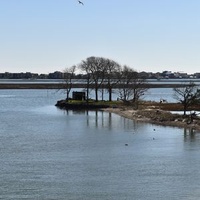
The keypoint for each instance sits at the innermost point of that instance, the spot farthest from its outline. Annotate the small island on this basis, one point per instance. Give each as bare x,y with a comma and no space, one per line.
147,111
130,88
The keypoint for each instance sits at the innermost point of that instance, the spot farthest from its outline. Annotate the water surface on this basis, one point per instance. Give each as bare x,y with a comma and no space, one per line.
47,153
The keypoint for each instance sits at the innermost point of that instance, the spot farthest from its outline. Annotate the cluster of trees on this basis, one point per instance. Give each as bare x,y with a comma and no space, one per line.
103,74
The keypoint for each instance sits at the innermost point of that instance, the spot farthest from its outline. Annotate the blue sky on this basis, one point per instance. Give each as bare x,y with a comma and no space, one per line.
43,36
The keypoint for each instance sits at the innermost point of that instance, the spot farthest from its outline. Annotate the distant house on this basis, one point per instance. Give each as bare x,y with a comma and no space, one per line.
197,75
183,75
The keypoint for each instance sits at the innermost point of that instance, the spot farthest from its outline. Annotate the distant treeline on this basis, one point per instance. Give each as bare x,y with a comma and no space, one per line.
62,75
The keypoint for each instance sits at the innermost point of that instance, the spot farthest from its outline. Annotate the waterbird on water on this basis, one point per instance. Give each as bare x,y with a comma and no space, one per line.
80,2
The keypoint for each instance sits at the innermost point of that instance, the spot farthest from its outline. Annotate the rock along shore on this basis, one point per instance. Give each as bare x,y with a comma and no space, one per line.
158,117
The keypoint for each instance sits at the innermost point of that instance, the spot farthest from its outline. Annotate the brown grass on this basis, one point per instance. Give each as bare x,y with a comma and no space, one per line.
167,106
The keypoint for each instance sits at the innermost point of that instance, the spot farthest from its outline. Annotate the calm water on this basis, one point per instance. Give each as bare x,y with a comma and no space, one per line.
47,153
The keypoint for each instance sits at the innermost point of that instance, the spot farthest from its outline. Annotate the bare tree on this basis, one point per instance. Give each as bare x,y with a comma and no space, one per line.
132,87
95,69
126,90
139,87
85,67
111,74
97,73
68,76
187,95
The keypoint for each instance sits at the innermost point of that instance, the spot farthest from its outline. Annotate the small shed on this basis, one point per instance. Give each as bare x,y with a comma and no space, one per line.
78,96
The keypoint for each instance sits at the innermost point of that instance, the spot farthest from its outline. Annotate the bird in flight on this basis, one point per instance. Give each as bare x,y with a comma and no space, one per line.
80,2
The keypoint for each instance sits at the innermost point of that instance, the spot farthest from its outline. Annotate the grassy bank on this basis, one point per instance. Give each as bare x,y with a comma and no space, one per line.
90,105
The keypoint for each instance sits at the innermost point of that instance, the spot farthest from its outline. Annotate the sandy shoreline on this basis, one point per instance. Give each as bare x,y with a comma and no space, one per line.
158,117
